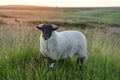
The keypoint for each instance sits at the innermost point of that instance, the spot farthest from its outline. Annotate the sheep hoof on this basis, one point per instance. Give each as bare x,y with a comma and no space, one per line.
51,66
80,67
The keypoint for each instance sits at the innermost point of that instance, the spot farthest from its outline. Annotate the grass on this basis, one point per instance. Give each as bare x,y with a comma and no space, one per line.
2,22
20,58
76,15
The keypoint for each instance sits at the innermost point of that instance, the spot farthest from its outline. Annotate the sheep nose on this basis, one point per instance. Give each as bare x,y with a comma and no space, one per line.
46,37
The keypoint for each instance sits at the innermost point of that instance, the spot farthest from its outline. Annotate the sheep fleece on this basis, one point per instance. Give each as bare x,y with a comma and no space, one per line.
64,44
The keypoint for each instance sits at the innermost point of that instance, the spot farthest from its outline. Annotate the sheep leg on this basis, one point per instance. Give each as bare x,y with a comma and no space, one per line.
80,62
51,63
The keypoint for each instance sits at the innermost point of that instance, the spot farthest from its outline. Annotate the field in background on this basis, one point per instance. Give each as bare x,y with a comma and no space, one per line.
109,17
20,58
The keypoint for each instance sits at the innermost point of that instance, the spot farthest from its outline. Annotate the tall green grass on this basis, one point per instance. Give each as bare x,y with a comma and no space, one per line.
20,58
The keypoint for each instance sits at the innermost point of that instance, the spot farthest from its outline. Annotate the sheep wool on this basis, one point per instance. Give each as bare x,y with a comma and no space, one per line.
64,44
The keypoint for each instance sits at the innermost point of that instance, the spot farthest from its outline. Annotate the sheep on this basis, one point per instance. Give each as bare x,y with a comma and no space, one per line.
62,45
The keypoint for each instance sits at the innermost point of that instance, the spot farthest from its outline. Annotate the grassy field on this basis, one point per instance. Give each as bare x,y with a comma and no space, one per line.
20,58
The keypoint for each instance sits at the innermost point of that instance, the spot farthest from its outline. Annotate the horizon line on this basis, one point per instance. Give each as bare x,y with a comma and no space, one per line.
58,6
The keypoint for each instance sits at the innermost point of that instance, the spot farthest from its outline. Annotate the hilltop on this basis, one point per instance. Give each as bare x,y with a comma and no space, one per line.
109,16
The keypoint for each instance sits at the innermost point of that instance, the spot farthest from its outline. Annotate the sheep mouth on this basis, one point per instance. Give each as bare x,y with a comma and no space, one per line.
46,38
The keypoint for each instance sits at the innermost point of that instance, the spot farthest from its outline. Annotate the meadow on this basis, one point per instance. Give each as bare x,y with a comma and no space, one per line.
20,58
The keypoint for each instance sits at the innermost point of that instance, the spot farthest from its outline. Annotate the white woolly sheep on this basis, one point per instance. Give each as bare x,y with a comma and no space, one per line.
61,45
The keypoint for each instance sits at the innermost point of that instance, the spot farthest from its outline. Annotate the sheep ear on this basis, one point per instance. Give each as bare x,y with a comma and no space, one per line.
55,27
39,26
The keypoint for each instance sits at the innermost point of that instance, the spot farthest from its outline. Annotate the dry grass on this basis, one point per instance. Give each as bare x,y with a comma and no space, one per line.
20,58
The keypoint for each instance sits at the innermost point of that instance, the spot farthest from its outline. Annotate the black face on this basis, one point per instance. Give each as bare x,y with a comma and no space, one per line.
47,30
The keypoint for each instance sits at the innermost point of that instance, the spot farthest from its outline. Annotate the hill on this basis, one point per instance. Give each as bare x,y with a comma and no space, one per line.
109,16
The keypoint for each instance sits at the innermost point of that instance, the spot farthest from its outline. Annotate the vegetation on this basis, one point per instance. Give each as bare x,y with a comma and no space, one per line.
20,58
2,22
